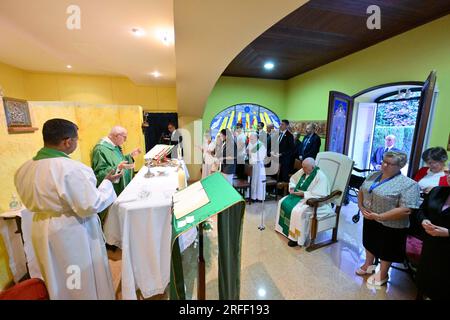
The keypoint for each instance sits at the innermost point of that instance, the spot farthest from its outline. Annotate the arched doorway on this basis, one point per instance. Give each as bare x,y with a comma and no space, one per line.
358,124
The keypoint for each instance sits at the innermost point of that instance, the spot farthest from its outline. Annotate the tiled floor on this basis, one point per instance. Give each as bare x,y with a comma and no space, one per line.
272,270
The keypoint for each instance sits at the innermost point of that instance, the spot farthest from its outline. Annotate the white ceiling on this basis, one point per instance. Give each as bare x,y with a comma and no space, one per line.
34,36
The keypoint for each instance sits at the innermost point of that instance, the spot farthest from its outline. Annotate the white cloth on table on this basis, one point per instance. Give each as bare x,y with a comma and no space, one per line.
141,227
181,161
66,232
13,244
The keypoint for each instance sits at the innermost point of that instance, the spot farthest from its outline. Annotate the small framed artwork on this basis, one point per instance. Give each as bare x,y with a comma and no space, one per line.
17,115
300,126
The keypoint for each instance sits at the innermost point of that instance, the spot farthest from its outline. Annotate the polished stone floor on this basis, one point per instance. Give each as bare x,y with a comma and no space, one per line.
272,270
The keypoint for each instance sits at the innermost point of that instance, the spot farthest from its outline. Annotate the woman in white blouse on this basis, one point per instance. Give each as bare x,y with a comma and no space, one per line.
433,174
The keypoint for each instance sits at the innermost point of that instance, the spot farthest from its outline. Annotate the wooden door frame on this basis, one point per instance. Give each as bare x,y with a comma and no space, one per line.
348,120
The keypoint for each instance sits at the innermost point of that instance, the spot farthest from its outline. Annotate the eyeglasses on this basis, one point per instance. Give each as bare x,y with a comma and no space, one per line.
389,163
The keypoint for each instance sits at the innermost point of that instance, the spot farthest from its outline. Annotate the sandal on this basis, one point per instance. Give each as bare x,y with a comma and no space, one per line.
371,280
370,270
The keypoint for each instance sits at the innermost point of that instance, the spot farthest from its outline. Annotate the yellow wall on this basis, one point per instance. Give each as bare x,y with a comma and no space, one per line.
101,102
6,277
94,122
37,86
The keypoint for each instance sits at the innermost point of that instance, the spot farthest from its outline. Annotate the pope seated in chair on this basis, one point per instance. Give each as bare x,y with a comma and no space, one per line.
294,215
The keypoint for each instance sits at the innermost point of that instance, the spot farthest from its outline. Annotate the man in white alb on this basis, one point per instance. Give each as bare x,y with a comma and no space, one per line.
66,232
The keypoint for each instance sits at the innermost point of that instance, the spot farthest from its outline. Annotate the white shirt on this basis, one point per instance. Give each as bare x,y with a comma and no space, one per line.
107,139
430,179
281,135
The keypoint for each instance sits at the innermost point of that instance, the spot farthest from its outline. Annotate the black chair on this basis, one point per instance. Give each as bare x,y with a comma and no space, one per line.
353,187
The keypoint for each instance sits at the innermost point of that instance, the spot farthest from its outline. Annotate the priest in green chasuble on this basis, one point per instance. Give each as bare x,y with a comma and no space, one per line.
107,155
294,215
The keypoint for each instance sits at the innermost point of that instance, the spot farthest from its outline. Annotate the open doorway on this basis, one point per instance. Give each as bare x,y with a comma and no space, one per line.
384,119
403,111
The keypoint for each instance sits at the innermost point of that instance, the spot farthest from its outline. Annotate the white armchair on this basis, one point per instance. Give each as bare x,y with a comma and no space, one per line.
338,168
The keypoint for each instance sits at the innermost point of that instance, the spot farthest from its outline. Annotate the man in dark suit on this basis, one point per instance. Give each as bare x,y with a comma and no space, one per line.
298,145
268,145
175,139
377,157
286,149
311,142
227,154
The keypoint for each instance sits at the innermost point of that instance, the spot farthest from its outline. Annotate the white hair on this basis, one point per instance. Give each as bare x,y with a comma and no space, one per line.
310,161
117,130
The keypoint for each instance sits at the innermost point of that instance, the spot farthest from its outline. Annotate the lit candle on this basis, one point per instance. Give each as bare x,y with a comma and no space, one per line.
181,178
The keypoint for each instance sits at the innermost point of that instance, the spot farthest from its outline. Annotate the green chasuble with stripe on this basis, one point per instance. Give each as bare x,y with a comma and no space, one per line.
291,201
106,157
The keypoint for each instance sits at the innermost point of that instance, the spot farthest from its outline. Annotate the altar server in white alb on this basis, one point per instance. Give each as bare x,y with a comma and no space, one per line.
294,215
66,232
257,152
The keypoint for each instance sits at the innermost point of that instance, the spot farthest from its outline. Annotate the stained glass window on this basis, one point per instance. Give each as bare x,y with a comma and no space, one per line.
246,113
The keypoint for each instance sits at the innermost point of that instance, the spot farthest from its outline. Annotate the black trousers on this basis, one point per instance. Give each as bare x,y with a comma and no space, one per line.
286,165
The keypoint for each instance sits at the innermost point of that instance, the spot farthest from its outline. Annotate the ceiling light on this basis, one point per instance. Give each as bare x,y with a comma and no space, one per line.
156,74
138,32
165,36
69,66
262,292
269,66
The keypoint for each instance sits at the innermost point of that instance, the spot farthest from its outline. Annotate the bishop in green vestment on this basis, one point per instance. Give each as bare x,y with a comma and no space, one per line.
107,155
294,215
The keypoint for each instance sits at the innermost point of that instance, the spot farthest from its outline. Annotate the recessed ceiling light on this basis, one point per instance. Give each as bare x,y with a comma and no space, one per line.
268,65
262,292
69,66
165,36
137,32
156,74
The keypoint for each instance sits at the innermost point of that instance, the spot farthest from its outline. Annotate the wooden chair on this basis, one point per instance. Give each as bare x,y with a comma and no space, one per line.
241,185
284,186
297,164
338,168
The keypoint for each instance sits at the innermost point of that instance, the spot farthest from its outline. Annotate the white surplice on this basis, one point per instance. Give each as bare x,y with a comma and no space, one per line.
302,213
256,159
210,162
66,231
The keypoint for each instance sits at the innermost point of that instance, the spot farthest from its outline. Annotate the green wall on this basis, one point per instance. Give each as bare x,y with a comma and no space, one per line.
409,56
406,57
232,90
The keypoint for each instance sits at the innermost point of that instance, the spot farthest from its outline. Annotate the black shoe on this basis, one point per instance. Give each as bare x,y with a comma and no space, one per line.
292,243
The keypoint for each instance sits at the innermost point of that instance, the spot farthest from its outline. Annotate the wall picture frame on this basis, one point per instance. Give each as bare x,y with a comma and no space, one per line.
17,114
300,126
